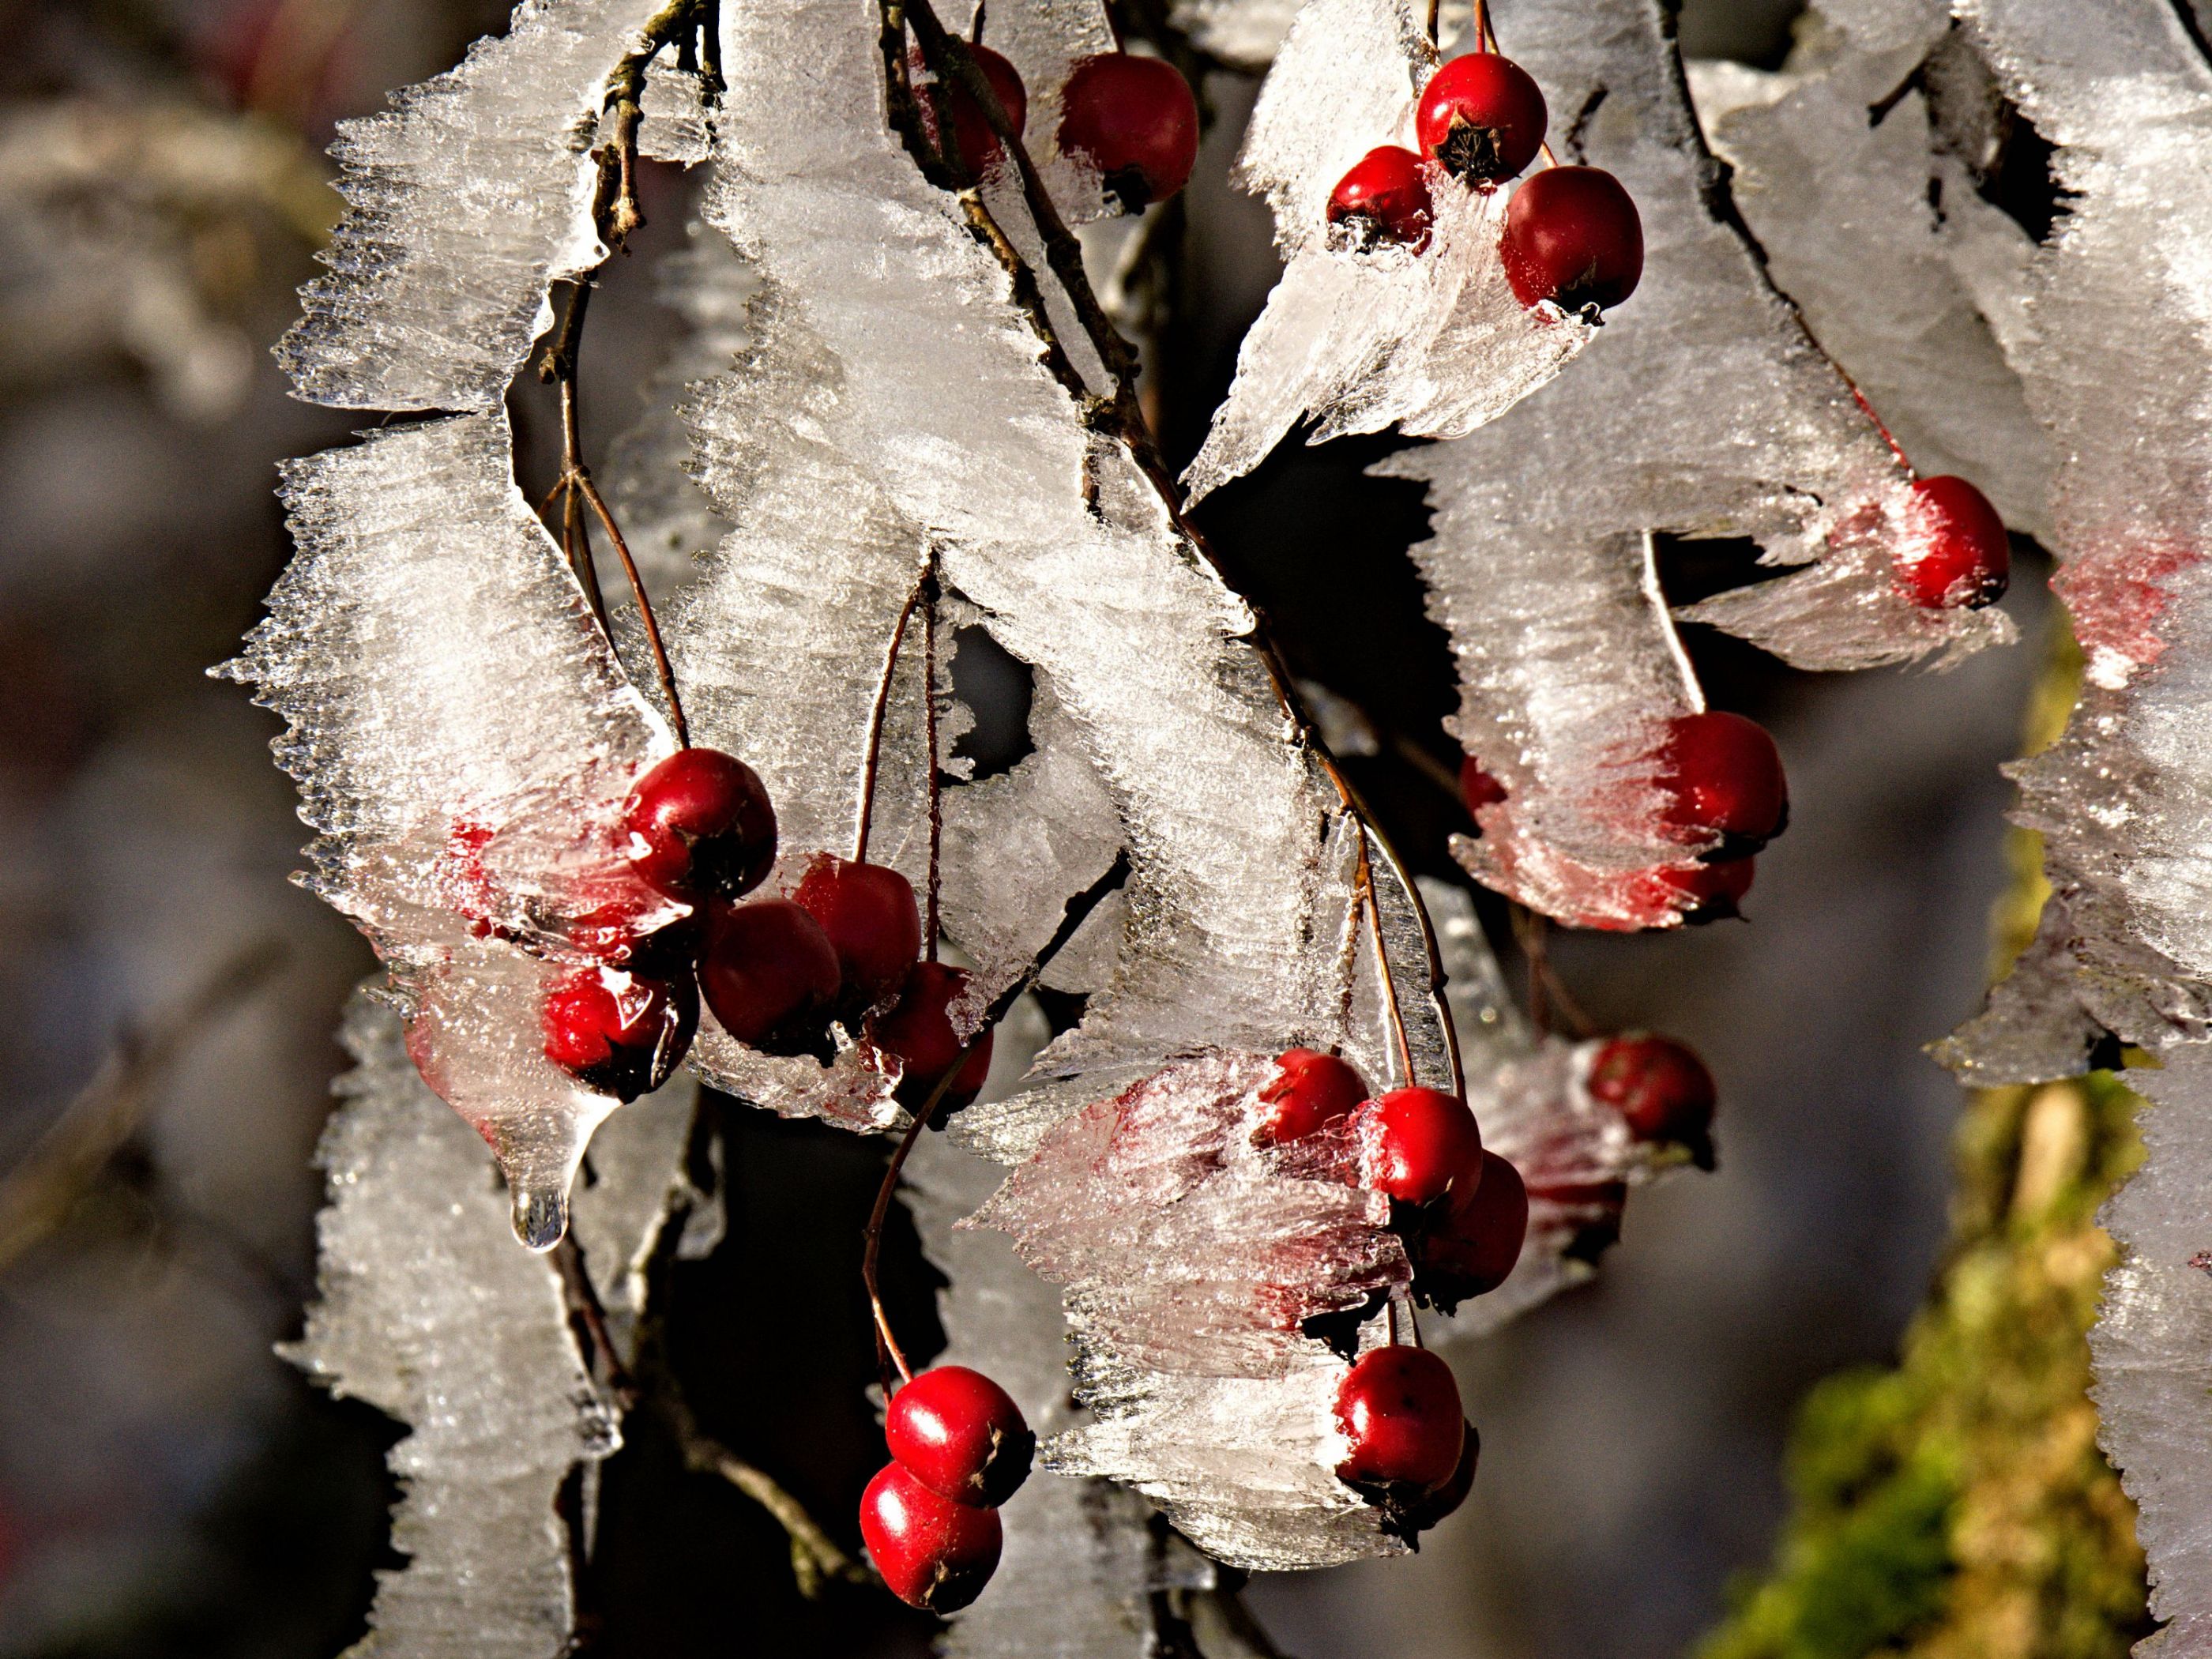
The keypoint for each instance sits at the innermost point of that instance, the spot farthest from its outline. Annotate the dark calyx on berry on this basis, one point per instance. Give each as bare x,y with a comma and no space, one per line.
1483,117
1417,1144
1709,892
770,976
700,825
1399,1409
620,1033
1133,120
1438,1505
868,910
961,1435
932,1552
917,1029
1308,1091
1660,1087
1383,200
1722,776
1954,554
1572,236
979,144
1475,1249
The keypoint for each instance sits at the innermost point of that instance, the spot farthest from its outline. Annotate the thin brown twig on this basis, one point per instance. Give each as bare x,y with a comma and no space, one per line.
587,1315
1363,887
872,751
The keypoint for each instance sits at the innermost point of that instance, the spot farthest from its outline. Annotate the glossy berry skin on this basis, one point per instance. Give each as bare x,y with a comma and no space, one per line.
979,145
1572,236
961,1435
1383,200
617,1032
932,1552
1955,554
1133,120
1709,892
1483,117
918,1028
1436,1506
1399,1408
1308,1091
770,976
1475,1250
1723,777
700,825
873,924
1417,1144
1661,1088
1476,787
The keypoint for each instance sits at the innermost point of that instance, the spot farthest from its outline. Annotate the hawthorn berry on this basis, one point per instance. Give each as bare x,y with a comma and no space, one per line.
1432,1507
873,923
1661,1087
1723,775
1383,199
618,1032
1133,120
979,146
770,976
961,1435
1474,1249
1399,1408
1476,787
1572,236
932,1552
1955,554
918,1028
1707,893
1308,1091
700,824
1417,1144
1483,117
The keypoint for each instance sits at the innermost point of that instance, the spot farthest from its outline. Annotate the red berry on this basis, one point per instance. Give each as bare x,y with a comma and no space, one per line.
1723,776
1483,117
1308,1092
1419,1144
1384,198
1432,1507
1133,120
698,824
1708,892
875,927
1661,1088
618,1032
932,1552
1572,236
1954,553
1399,1409
971,129
1480,1240
1476,787
961,1435
918,1028
769,975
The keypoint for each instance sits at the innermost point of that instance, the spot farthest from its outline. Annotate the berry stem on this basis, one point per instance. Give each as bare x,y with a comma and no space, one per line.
1547,990
932,888
871,755
1364,885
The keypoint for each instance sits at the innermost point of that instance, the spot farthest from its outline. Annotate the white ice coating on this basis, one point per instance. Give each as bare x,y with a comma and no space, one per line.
1434,343
465,201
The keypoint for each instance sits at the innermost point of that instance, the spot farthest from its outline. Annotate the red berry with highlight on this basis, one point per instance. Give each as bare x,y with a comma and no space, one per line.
1662,1089
1417,1144
1723,776
980,146
1483,117
700,824
1399,1409
1383,199
618,1032
961,1435
873,923
1133,120
918,1028
932,1552
1308,1091
1474,1249
770,976
1572,236
1954,554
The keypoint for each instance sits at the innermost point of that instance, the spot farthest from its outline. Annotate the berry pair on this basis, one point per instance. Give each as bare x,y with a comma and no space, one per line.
959,1449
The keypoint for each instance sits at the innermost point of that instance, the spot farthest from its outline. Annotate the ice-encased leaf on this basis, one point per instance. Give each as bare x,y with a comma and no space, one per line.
1434,343
465,200
430,1313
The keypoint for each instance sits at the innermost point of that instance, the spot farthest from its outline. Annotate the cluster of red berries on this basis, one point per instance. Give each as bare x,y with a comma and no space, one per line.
1573,235
1131,119
930,1518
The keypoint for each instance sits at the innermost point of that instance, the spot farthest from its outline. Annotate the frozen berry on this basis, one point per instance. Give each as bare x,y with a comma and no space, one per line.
1483,117
1416,1145
1661,1088
961,1435
1708,892
1572,236
1438,1505
1399,1408
1722,776
1308,1091
1384,198
700,824
932,1552
978,144
770,976
1474,1249
1954,553
618,1032
918,1028
1476,787
875,927
1133,120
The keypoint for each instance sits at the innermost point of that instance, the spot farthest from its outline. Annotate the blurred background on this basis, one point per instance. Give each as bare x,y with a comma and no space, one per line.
168,1485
